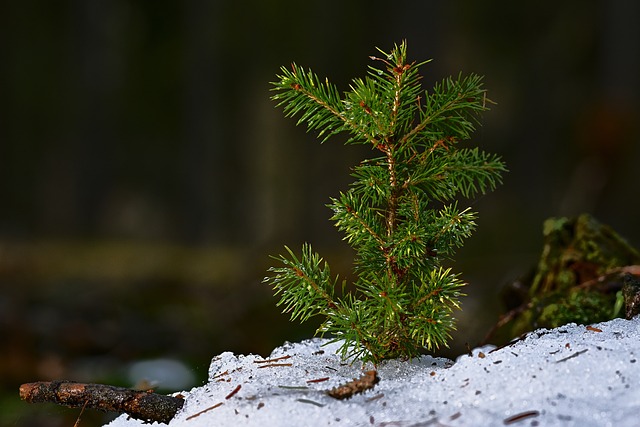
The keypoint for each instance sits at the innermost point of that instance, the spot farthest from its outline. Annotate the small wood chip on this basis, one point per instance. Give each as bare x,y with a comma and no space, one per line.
358,385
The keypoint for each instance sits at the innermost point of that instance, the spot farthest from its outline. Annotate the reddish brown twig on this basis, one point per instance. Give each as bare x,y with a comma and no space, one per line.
235,390
275,365
519,417
142,405
318,380
217,405
272,360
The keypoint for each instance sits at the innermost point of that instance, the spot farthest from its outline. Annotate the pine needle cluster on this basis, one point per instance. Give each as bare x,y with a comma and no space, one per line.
401,213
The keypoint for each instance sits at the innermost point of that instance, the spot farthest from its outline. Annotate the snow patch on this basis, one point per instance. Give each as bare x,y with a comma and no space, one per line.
569,376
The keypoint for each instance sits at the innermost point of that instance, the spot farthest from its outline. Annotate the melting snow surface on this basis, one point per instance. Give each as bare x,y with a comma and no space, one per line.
569,376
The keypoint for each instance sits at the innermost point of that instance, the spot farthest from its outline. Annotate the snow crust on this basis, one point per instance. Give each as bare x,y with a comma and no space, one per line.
568,376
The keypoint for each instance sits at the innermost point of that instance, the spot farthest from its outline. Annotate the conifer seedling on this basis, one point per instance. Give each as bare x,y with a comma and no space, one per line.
401,213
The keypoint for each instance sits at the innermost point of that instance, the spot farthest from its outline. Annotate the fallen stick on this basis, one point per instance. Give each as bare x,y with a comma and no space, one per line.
142,405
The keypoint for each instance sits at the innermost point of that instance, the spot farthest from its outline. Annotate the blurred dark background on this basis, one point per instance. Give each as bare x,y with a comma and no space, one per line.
145,175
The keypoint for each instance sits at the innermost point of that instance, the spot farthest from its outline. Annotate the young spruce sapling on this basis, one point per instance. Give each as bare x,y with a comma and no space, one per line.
400,214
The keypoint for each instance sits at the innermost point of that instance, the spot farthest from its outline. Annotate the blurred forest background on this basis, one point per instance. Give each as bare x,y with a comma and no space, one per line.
145,175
